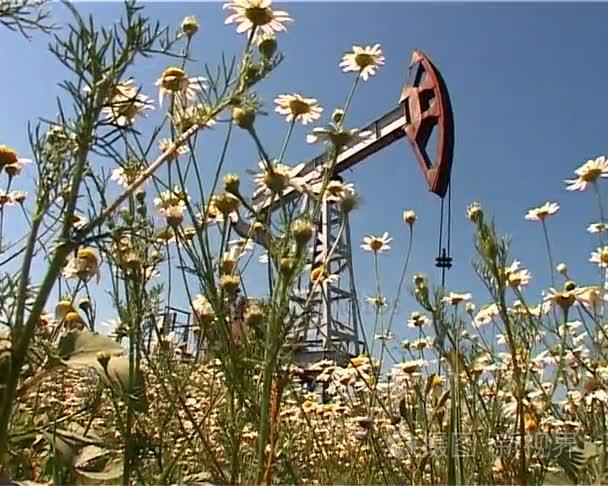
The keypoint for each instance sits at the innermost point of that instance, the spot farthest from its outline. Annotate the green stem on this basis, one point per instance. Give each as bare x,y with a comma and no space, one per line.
350,98
549,254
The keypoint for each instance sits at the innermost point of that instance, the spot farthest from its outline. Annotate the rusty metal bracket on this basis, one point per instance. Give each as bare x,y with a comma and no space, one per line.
427,107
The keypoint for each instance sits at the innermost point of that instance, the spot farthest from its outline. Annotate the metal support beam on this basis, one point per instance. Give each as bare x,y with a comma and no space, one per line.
328,326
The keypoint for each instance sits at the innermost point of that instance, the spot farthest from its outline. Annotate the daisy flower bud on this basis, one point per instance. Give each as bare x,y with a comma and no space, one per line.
302,232
190,26
174,215
228,264
226,203
337,116
73,321
232,183
268,45
287,265
230,284
474,212
254,316
349,201
420,280
409,217
243,117
562,269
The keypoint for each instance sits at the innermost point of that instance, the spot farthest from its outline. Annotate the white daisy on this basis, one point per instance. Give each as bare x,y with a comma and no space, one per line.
337,136
175,81
376,244
295,107
542,212
125,104
600,256
590,171
364,60
256,13
274,178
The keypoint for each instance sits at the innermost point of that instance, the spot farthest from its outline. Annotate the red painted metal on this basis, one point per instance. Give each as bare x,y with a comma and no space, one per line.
427,107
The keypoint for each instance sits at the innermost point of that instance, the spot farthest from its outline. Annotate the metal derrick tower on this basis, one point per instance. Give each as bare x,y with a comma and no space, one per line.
328,324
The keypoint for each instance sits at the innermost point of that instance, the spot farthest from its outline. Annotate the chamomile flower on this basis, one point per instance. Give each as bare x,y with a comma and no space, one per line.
171,198
335,190
128,173
83,265
211,215
11,162
202,309
454,299
417,320
6,198
517,277
175,81
542,212
274,178
597,228
125,104
295,107
241,246
600,256
165,143
337,136
249,14
589,172
376,244
364,60
485,315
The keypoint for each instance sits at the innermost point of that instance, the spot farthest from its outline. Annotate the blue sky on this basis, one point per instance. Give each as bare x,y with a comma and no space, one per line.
527,83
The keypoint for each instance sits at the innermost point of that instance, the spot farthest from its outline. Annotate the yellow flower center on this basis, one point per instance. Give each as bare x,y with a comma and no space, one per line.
530,424
259,15
228,265
226,203
564,299
318,274
604,257
62,308
73,318
276,181
335,189
299,107
189,232
358,361
436,382
515,280
363,60
591,174
375,244
7,155
13,169
173,79
88,255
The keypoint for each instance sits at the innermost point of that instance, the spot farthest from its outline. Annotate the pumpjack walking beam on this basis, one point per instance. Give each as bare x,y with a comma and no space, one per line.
424,110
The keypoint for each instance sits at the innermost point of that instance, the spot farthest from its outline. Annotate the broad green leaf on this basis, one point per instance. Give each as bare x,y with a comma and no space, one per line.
112,472
80,349
64,451
116,375
88,454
